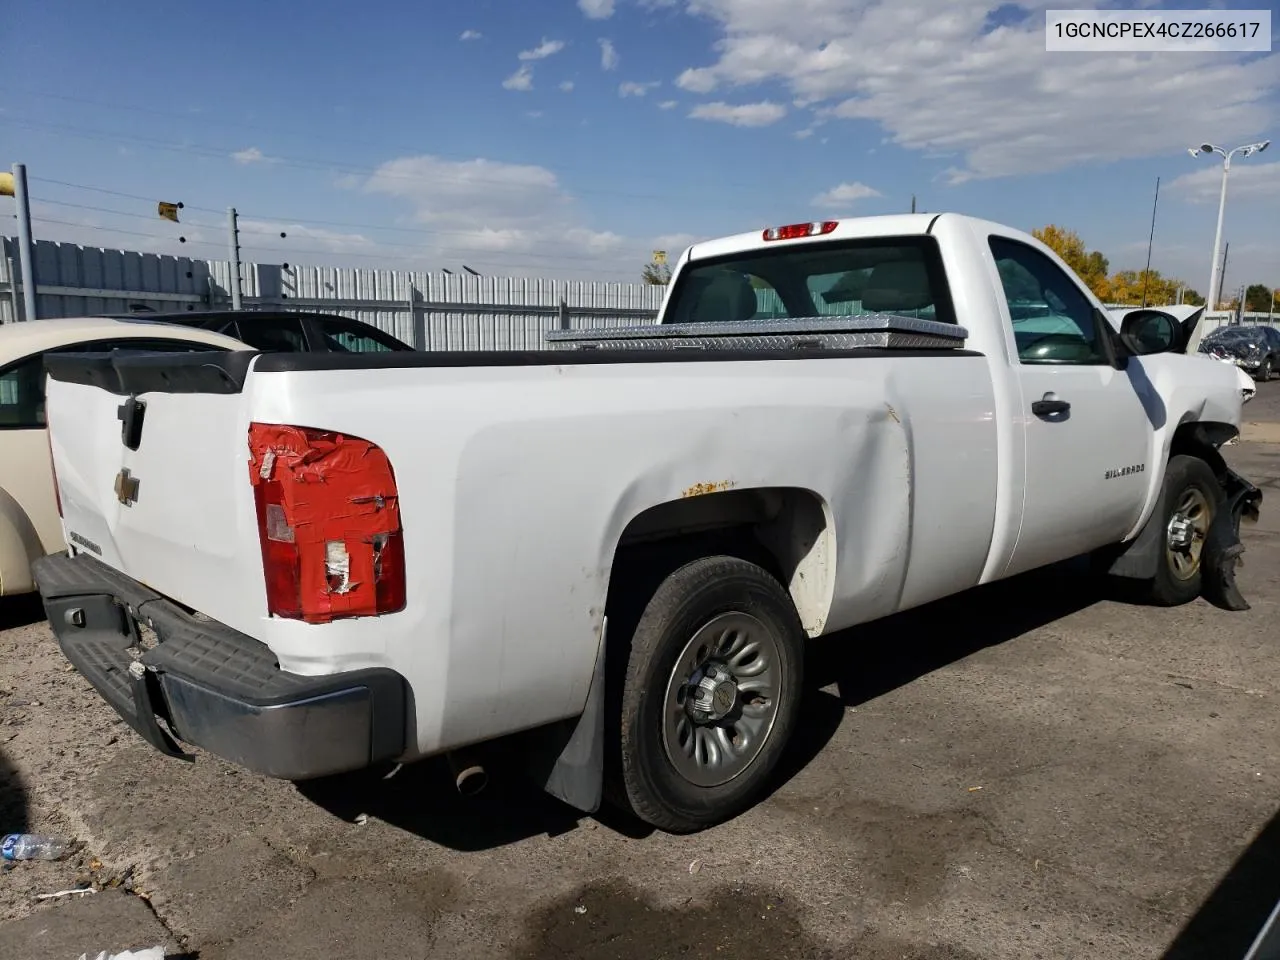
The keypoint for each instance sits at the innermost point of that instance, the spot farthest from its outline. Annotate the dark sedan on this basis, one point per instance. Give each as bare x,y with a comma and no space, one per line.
288,331
1254,348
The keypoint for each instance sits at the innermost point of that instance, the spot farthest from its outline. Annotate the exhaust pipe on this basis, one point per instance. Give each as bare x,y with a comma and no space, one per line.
469,775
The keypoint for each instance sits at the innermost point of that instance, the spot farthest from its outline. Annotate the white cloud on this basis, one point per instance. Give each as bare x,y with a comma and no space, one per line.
566,86
522,79
632,89
471,35
546,48
266,233
697,80
507,217
943,81
742,115
533,114
596,9
844,194
668,105
250,155
1248,180
608,55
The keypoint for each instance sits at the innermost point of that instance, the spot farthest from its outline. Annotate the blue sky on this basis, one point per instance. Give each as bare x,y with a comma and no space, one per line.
572,137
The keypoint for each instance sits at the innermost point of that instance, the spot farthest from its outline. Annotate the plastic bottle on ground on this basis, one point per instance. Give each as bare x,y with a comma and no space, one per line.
29,846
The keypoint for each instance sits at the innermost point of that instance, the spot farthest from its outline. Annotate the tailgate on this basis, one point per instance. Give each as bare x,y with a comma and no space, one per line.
151,457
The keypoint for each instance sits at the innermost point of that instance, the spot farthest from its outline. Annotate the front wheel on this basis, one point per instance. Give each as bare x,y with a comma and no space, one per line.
711,693
1190,500
1264,371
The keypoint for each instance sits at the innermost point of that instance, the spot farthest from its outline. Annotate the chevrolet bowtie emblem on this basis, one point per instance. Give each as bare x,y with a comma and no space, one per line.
126,487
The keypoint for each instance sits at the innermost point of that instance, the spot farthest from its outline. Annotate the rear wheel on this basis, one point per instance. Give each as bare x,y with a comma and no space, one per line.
1191,500
711,694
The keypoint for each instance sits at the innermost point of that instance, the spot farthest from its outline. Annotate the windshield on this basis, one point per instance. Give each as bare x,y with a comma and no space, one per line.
841,279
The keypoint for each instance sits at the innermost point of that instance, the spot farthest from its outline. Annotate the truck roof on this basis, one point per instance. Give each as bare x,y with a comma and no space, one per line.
886,225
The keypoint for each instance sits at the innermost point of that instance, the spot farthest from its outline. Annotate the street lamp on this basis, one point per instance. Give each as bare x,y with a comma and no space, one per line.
1247,150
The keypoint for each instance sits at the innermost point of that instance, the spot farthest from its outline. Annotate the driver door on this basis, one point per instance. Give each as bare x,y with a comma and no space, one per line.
1087,435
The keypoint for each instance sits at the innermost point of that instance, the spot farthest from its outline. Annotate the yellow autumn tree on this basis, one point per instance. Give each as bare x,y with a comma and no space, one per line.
1089,265
1123,286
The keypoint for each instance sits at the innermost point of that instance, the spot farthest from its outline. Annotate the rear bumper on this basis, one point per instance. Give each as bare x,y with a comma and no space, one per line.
213,687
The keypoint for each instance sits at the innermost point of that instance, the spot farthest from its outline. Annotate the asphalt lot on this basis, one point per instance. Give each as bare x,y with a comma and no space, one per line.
1031,770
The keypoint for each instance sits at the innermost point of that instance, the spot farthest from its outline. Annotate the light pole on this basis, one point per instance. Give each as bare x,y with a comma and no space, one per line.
1246,150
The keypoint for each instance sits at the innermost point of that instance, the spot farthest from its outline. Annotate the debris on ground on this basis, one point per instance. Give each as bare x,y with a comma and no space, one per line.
30,846
151,953
78,891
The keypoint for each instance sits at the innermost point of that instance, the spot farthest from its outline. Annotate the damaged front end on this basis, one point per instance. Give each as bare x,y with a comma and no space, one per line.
1223,549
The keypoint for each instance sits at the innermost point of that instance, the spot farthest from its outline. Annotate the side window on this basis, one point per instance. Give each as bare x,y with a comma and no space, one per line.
1053,321
271,336
341,337
22,395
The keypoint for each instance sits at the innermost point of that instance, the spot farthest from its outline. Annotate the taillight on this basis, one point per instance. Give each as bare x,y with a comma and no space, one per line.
793,231
328,522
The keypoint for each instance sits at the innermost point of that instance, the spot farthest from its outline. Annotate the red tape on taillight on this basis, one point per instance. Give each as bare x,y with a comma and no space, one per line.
328,522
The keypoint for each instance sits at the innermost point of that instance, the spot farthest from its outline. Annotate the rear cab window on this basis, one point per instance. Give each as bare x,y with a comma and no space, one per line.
903,276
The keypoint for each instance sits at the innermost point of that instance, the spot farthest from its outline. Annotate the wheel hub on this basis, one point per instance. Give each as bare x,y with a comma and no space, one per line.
713,696
1180,530
1186,533
722,699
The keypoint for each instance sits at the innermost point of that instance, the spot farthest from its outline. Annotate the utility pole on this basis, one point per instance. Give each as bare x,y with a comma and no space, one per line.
1146,275
1222,275
1245,150
233,234
26,252
913,203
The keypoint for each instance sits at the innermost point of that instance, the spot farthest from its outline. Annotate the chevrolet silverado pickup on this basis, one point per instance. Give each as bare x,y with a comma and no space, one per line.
613,550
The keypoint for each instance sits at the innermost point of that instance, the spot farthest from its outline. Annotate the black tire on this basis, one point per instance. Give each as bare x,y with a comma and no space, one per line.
689,598
1184,476
1264,371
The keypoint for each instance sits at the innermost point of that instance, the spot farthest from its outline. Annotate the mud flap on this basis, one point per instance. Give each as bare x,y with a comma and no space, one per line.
567,759
1222,547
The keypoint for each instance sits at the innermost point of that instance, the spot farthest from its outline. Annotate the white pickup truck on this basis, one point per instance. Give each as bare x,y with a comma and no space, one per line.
616,548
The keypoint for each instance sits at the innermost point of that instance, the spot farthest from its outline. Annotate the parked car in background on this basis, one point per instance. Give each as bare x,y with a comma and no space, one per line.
290,331
29,523
1254,348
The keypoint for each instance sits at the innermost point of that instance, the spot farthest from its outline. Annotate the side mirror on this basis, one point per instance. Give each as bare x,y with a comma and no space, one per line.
1145,332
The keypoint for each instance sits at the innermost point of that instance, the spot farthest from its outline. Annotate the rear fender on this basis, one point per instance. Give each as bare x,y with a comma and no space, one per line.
19,547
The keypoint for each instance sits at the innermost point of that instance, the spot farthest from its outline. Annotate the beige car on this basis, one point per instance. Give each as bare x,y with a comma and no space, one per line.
29,522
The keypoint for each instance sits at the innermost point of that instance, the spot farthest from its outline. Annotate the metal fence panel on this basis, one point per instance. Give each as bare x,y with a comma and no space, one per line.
435,311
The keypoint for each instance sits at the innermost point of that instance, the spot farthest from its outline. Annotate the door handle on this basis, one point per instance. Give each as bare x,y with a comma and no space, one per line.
1046,408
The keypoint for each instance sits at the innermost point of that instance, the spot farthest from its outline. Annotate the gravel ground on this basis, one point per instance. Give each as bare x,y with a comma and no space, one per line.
1031,770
